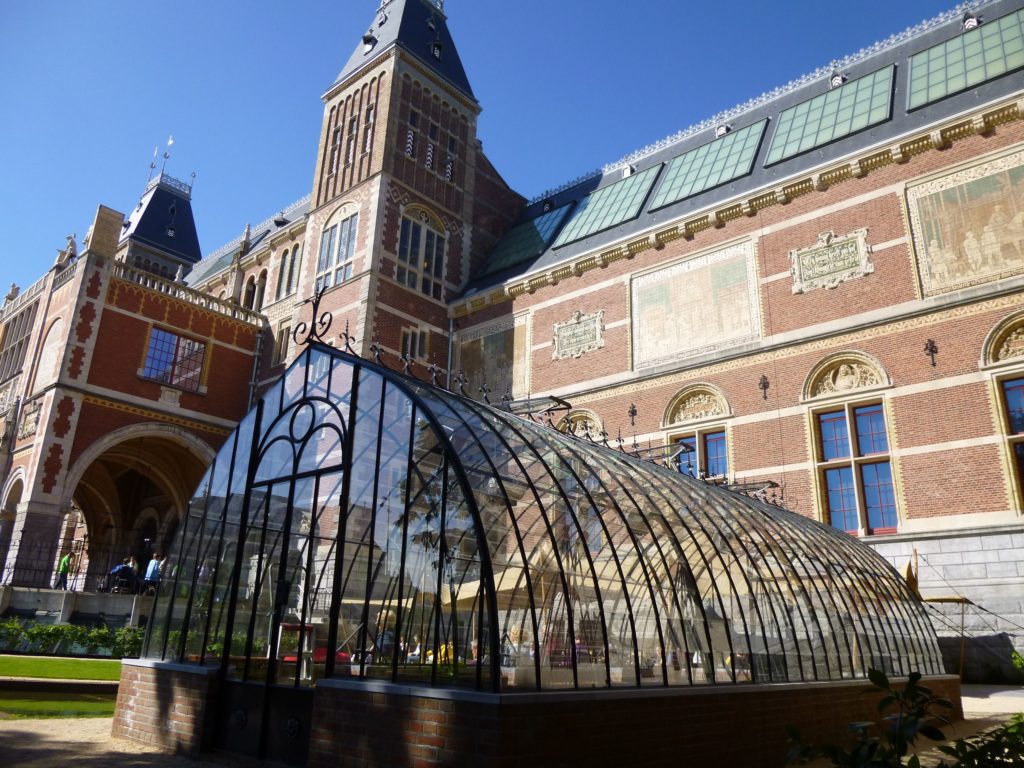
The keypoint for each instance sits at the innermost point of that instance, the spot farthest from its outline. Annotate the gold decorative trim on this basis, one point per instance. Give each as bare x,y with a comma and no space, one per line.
156,415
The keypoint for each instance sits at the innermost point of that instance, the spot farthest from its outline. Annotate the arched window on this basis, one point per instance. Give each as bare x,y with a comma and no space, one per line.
336,261
421,248
1004,358
293,270
368,128
851,452
350,147
282,274
250,293
697,432
261,290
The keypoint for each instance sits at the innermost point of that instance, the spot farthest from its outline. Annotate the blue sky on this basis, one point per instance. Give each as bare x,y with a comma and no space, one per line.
89,88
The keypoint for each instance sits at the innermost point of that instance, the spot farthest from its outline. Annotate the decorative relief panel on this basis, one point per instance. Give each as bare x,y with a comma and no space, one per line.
1012,346
585,424
696,403
496,354
580,334
968,226
845,373
831,260
29,420
703,304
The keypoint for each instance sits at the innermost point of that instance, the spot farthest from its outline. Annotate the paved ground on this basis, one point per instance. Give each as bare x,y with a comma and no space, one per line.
86,742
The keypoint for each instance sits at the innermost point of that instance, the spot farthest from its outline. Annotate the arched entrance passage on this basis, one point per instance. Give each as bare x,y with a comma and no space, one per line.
8,513
132,488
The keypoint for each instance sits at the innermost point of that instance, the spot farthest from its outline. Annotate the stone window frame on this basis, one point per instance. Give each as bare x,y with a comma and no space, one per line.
412,269
1003,361
331,268
414,341
174,381
710,421
828,389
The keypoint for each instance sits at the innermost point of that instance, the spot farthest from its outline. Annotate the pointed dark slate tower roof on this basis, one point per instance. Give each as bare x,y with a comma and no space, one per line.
418,27
163,220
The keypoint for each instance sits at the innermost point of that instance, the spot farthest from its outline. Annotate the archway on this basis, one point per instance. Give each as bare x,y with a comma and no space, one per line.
8,513
132,488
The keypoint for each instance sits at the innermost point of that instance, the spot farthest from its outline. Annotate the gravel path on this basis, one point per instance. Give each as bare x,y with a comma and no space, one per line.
86,743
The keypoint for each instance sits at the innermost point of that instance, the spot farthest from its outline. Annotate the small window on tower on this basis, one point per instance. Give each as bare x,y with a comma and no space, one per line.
435,50
414,343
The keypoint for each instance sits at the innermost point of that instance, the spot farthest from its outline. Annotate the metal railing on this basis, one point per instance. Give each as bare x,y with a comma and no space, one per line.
37,566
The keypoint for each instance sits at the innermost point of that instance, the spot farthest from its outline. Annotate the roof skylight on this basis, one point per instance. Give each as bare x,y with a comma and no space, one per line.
711,164
841,111
609,206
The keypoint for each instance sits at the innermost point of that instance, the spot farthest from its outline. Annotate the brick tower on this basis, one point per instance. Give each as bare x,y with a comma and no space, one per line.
404,203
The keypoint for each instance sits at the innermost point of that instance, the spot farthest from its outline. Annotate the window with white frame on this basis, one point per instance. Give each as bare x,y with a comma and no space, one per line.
283,341
174,360
854,469
421,257
335,263
350,148
368,128
703,452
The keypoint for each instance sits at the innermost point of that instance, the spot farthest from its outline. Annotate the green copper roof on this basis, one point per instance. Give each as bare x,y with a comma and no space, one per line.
988,51
844,110
710,164
609,206
526,241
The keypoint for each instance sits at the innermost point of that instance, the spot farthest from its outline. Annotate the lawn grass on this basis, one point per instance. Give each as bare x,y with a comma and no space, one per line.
25,705
65,669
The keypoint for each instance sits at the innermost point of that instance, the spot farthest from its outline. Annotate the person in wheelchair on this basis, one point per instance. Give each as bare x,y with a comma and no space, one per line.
122,578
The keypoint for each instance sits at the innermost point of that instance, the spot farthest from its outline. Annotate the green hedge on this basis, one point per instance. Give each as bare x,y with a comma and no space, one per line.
69,639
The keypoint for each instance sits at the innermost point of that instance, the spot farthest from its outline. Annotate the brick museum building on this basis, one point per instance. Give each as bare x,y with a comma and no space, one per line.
815,299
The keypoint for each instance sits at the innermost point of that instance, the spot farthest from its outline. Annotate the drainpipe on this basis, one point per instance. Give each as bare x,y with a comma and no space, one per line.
254,382
451,346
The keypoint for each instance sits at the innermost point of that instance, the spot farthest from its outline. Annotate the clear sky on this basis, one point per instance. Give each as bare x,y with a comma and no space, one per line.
87,89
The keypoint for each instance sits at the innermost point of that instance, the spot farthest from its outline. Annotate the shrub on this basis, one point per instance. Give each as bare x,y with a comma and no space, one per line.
33,637
1002,746
914,716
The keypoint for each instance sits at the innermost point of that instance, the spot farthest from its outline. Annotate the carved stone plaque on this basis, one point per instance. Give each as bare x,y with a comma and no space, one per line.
845,376
1013,345
582,333
830,261
29,421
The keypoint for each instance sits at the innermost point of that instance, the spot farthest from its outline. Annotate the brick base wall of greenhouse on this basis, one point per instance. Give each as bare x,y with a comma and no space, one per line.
377,724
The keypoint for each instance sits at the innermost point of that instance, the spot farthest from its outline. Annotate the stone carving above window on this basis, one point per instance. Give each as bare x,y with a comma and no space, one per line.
845,373
584,424
581,333
696,403
831,260
1005,342
29,420
1012,346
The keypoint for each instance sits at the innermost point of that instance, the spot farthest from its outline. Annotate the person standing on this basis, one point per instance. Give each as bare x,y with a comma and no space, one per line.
152,573
63,568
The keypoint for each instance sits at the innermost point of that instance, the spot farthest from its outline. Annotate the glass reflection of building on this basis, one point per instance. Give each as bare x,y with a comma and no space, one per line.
362,524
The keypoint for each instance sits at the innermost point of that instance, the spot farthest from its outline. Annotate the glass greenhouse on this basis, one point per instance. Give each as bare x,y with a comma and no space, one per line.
362,524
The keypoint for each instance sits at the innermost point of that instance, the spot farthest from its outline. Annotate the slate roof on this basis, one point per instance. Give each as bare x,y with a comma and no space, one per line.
220,259
416,26
894,52
165,208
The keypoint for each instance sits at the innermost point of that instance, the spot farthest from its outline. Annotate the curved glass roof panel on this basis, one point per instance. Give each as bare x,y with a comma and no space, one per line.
980,54
609,206
711,164
361,524
841,111
526,241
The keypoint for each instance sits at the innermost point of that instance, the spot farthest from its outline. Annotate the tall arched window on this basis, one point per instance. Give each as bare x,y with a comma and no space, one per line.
250,293
336,262
282,274
293,270
261,290
421,254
